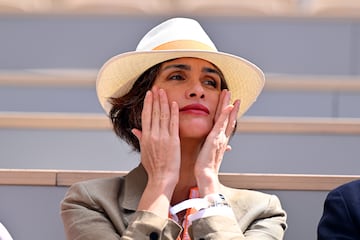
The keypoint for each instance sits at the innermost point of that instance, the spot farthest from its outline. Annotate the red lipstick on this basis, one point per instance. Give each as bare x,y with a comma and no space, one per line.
195,108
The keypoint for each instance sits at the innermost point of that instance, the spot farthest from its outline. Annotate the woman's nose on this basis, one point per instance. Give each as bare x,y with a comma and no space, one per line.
195,90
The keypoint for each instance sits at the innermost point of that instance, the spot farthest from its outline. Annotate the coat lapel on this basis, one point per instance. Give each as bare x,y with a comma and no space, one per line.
135,182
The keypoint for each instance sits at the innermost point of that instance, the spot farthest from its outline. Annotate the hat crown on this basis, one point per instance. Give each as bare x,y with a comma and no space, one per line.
181,32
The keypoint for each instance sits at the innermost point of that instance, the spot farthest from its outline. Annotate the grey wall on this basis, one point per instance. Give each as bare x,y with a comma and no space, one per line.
317,46
277,45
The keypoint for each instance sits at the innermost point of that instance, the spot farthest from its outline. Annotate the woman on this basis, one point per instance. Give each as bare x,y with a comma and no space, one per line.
170,100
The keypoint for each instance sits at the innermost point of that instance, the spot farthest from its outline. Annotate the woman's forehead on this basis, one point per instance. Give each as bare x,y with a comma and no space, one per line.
188,60
185,63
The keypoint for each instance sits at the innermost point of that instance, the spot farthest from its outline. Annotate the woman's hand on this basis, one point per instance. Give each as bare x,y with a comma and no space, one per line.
212,152
160,150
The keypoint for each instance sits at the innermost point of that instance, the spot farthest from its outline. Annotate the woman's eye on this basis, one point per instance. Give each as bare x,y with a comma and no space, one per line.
176,77
212,83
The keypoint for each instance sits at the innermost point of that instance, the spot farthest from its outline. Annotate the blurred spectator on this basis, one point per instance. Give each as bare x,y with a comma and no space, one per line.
4,234
341,215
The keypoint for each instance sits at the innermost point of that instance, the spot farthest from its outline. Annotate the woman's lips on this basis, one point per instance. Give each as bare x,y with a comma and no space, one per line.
195,109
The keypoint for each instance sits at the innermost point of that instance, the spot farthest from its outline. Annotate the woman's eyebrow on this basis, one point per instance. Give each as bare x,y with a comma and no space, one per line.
211,70
188,67
180,66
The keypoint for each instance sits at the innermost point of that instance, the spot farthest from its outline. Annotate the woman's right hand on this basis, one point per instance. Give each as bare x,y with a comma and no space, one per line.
160,146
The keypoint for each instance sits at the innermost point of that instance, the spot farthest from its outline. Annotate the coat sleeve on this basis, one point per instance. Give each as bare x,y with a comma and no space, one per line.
266,221
86,218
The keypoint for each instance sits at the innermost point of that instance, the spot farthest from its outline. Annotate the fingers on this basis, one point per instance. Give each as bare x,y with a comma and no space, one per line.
147,112
223,110
174,120
219,106
232,118
222,123
164,110
157,115
222,103
227,113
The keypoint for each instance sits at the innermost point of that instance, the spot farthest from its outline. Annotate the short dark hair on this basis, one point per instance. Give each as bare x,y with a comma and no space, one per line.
125,113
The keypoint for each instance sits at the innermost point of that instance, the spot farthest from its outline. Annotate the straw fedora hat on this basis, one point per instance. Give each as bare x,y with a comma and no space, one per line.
175,38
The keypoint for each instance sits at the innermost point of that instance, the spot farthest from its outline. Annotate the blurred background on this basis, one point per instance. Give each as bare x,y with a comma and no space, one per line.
306,122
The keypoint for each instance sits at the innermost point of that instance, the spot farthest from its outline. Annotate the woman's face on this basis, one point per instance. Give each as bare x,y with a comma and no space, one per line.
195,85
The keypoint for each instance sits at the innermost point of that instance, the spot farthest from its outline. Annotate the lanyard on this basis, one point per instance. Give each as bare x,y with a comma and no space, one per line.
194,193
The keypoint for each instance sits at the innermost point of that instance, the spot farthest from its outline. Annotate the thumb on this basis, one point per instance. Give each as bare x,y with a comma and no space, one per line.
137,133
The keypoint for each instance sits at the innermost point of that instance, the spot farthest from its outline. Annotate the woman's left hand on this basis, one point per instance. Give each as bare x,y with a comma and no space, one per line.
211,154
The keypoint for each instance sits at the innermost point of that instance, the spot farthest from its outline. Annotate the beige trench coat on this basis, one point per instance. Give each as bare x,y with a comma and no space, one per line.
105,209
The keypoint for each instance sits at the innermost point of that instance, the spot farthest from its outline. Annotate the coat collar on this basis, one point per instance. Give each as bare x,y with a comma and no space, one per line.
135,182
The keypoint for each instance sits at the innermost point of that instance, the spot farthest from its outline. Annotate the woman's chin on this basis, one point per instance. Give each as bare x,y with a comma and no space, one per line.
194,131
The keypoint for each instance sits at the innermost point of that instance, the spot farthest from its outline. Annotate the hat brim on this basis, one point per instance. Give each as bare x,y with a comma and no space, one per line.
244,79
